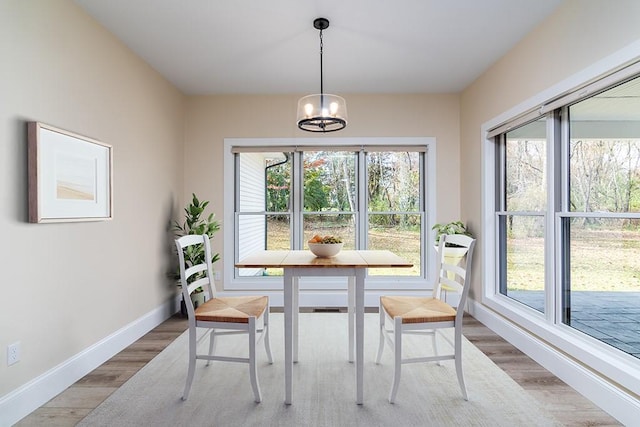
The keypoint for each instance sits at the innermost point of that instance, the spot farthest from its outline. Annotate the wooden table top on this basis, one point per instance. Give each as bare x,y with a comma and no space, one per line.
306,259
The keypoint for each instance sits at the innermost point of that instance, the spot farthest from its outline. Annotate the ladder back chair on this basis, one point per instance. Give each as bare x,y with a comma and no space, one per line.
222,315
428,315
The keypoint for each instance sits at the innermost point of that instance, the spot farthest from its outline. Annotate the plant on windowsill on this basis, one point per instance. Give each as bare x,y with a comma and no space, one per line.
453,253
454,227
195,224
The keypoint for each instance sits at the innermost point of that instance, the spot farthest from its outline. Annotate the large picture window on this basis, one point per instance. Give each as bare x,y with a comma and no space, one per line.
371,195
568,215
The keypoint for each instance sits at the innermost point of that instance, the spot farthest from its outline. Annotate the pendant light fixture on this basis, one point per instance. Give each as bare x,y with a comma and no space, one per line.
322,112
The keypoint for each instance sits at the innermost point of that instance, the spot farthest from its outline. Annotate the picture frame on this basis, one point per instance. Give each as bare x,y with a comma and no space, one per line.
70,176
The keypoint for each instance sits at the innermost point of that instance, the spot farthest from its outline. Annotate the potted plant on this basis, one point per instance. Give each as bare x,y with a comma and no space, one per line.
194,223
452,253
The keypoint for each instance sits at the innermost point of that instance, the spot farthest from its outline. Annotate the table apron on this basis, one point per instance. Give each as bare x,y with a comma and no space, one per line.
324,271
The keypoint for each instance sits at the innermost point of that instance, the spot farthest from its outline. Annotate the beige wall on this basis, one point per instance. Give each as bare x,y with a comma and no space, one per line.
66,286
578,34
210,119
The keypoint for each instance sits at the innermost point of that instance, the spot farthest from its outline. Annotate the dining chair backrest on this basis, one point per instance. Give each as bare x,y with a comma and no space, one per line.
194,277
455,257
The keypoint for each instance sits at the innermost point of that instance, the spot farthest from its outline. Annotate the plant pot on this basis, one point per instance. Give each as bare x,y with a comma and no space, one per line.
453,255
197,298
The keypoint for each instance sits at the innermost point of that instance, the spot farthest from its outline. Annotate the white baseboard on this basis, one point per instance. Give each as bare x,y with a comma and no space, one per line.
22,401
614,400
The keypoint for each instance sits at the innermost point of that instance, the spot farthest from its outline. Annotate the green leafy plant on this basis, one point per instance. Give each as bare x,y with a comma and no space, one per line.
454,227
195,224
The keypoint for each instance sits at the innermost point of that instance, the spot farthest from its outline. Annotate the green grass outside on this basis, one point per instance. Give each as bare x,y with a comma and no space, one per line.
601,260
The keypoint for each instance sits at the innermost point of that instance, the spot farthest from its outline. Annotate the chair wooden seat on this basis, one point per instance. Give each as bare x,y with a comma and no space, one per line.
232,309
418,309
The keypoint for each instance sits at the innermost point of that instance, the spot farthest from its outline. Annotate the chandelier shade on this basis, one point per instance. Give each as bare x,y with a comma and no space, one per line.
322,112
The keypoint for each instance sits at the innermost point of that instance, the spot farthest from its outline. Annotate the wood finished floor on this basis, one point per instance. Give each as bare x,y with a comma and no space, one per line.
73,404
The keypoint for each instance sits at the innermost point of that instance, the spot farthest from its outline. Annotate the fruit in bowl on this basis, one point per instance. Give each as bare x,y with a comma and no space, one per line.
325,247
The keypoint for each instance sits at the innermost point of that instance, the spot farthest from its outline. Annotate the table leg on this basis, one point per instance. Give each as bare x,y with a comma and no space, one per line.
288,335
359,335
351,306
296,311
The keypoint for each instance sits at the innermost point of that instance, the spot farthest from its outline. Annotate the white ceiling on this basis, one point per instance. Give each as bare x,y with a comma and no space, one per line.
271,47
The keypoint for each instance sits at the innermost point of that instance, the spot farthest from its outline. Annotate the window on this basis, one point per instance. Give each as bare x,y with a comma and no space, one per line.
601,224
395,206
329,195
374,194
521,214
567,212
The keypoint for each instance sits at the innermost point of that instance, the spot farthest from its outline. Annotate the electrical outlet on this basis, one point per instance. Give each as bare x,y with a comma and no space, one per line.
13,353
216,276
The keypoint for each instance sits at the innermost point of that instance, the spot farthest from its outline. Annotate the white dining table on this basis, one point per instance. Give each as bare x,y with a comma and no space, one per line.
348,263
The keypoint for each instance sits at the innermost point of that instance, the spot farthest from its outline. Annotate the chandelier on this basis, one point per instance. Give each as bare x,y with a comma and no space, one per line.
322,112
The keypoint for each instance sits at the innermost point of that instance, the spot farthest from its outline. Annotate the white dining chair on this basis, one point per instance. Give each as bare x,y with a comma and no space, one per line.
429,315
222,315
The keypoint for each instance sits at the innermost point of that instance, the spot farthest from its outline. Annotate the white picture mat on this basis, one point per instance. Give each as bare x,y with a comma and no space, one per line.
73,177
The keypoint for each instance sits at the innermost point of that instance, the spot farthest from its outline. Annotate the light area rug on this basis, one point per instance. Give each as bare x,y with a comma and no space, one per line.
323,386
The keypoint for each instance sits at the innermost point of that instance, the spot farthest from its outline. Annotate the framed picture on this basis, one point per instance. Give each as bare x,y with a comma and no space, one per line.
70,176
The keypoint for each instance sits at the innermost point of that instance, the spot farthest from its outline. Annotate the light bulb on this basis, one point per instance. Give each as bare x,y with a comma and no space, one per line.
334,108
325,112
308,109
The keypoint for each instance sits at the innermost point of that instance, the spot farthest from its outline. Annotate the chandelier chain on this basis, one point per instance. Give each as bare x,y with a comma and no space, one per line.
321,77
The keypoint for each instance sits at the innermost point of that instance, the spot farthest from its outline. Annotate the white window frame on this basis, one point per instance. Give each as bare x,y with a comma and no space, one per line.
597,370
375,285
